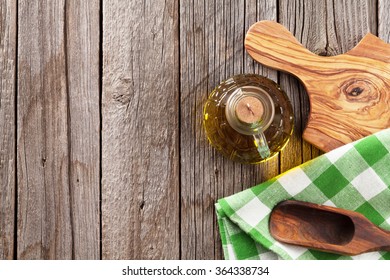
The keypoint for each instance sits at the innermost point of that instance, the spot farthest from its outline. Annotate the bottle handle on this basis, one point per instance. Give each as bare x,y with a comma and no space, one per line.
261,144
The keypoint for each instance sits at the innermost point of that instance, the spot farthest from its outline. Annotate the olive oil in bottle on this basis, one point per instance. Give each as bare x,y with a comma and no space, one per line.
248,118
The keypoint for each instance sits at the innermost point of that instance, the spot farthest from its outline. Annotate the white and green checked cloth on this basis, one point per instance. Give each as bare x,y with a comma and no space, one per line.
355,177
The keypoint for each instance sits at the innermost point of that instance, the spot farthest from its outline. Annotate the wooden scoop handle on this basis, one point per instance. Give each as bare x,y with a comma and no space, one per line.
348,93
326,228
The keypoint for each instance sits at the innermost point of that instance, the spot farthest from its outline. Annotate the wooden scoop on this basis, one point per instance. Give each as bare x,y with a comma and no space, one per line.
326,228
349,93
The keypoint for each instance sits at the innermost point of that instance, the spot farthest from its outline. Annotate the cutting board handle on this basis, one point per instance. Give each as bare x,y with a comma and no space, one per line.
271,44
348,93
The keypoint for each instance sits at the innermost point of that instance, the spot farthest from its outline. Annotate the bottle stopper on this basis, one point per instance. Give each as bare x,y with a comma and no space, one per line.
249,110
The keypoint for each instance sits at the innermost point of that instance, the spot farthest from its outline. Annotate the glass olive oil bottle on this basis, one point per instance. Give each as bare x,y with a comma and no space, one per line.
248,118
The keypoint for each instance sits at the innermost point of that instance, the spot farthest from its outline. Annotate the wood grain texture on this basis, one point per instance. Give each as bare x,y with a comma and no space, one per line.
58,130
140,160
82,51
44,216
326,228
384,20
211,50
346,104
160,177
255,11
325,28
346,22
7,127
307,20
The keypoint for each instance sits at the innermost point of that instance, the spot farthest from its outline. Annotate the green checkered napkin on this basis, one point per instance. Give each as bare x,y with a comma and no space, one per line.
355,177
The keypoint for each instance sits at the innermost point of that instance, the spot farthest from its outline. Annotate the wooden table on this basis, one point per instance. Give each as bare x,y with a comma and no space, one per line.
102,151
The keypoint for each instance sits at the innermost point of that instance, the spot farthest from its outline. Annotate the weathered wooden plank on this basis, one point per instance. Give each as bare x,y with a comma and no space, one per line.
82,51
309,28
44,216
211,50
327,28
384,20
255,11
7,127
140,160
349,22
58,130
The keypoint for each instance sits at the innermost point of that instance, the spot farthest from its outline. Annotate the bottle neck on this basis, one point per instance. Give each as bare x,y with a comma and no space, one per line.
249,110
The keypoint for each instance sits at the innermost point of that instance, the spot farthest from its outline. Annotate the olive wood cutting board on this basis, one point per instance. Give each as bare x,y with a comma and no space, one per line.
349,93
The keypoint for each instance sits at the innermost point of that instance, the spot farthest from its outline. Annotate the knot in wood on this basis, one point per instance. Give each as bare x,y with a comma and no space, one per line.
359,90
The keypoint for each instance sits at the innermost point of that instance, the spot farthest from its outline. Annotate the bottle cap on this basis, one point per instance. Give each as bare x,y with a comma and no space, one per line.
249,110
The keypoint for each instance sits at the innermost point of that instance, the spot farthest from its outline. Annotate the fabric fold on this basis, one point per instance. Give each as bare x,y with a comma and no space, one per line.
355,176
